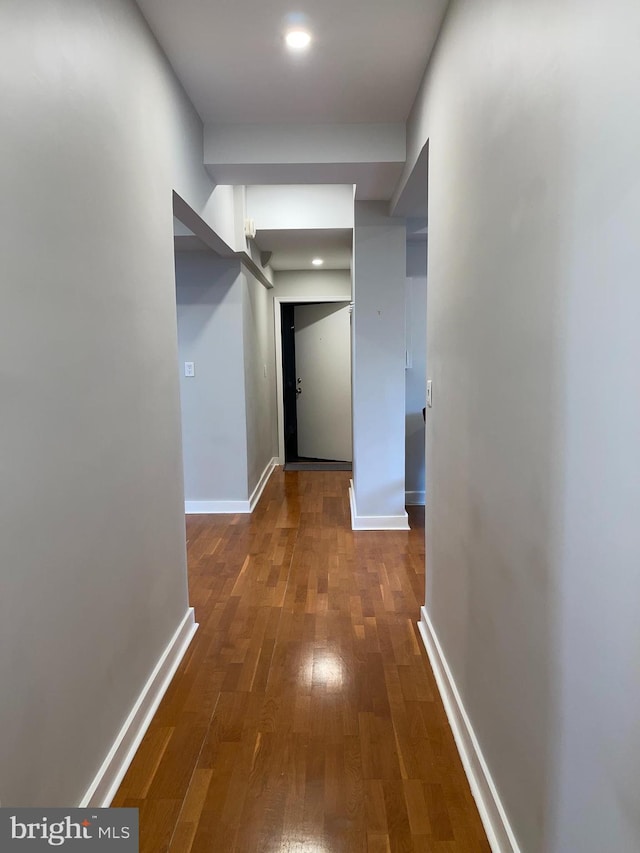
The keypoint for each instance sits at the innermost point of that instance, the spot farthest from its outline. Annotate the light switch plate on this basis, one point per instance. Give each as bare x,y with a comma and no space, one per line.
189,368
429,394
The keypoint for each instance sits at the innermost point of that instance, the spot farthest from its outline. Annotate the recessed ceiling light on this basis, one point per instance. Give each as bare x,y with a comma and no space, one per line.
317,262
298,39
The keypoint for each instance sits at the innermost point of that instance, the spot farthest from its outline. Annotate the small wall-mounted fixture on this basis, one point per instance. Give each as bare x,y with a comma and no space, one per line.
250,228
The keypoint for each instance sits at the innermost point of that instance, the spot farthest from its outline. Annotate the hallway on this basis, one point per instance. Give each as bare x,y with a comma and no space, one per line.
304,717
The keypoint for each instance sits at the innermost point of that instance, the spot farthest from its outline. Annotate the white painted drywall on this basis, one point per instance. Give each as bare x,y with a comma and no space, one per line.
378,359
96,135
259,384
323,365
300,206
209,294
225,327
304,143
230,144
533,541
369,155
319,284
416,372
220,212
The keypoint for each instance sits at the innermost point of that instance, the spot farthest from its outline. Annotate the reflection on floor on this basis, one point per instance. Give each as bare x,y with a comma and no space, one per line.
304,717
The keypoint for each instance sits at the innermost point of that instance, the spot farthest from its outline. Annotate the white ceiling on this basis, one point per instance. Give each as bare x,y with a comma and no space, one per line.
365,63
294,250
364,66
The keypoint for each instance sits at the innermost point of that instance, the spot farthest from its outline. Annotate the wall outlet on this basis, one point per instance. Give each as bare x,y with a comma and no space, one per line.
189,368
429,394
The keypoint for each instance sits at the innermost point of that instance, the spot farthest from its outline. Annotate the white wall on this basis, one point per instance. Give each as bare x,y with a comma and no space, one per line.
225,326
416,373
532,117
209,293
259,379
96,135
378,359
300,206
304,143
369,155
321,284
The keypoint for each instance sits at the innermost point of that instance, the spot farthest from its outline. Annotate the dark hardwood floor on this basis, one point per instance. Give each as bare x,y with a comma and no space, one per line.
304,717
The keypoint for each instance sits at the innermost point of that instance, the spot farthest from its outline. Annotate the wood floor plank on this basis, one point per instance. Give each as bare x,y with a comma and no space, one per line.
304,717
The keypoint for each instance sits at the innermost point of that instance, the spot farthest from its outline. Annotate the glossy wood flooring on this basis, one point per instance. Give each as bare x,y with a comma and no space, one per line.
304,717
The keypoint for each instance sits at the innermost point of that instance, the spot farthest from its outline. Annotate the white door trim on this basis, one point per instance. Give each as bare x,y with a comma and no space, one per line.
277,315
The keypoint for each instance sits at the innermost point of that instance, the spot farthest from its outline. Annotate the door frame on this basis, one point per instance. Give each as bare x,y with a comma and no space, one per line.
277,316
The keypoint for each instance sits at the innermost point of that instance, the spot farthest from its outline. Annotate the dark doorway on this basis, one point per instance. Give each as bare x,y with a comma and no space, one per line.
291,389
289,383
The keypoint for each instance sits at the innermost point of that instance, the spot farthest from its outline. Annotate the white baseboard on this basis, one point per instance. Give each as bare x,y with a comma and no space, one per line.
375,522
262,482
108,778
414,498
233,507
492,813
